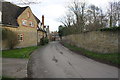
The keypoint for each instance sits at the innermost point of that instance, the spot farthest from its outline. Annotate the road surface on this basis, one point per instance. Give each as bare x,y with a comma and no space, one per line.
14,68
56,61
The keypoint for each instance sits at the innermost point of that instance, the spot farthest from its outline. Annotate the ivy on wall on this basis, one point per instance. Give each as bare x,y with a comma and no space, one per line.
10,37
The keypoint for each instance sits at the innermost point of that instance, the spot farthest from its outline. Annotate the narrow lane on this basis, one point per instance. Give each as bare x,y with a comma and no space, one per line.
56,61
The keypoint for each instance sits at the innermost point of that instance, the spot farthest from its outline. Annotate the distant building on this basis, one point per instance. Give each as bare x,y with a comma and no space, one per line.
54,36
48,32
41,30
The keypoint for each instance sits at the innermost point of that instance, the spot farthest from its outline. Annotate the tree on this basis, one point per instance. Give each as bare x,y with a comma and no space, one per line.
78,8
23,2
102,18
94,18
11,38
81,17
114,13
95,12
67,20
60,32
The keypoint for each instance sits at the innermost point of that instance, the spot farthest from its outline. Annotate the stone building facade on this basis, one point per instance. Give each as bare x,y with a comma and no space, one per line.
22,21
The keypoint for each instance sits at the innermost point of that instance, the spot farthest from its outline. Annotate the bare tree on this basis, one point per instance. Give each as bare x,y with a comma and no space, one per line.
78,8
95,11
26,2
95,18
89,16
114,13
67,20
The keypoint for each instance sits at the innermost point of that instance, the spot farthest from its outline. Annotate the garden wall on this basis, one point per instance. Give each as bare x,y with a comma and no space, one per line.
96,41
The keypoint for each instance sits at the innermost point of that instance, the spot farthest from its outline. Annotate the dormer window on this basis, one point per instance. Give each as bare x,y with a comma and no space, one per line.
24,22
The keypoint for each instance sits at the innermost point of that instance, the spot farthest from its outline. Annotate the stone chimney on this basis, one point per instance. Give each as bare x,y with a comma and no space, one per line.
43,20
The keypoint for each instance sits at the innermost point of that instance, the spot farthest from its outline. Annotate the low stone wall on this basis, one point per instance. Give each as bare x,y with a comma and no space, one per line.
96,41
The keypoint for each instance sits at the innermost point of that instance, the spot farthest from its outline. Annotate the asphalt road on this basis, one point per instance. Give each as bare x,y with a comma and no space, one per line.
14,68
56,61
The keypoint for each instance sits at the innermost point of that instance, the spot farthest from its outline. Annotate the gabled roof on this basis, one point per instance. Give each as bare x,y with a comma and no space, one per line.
10,13
36,19
40,29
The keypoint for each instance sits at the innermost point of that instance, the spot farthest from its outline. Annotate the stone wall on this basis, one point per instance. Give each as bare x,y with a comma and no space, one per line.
96,41
29,37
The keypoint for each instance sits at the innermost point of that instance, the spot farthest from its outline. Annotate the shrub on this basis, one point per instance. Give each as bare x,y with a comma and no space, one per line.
44,41
111,29
10,37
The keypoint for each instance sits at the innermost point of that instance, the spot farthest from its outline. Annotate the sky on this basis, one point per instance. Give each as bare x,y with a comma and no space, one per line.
54,9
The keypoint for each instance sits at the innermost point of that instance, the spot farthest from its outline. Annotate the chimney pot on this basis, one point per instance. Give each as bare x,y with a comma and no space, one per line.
43,20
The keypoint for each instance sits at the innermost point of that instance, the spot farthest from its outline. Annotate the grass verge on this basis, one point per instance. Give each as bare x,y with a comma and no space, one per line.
19,53
6,78
110,58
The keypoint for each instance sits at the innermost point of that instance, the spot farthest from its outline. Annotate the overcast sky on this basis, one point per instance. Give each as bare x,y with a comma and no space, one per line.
53,9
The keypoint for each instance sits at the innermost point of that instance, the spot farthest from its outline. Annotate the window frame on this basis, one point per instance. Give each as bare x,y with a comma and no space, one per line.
31,25
20,37
25,23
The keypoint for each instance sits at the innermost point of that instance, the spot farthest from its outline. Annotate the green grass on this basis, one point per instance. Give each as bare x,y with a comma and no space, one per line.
7,78
109,58
19,53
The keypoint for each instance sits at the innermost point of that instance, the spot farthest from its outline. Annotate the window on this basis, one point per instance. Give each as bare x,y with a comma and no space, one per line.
31,24
24,22
20,37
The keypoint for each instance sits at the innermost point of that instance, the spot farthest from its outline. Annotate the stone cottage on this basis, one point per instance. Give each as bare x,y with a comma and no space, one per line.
22,21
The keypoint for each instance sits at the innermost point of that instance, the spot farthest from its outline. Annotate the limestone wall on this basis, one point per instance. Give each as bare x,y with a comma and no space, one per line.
29,37
97,41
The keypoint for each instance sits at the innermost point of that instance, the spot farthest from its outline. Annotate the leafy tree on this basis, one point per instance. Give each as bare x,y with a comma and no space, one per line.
44,40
